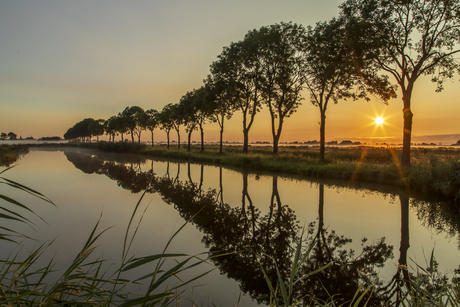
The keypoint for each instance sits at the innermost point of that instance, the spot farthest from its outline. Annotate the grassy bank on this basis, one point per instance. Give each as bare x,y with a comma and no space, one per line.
11,153
433,171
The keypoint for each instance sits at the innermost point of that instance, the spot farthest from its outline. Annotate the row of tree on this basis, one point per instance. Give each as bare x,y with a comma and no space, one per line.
348,57
132,120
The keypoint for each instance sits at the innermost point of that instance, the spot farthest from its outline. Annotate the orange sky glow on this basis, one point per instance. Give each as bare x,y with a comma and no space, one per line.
66,61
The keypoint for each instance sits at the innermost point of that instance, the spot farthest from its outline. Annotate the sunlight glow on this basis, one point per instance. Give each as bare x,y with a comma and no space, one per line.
379,120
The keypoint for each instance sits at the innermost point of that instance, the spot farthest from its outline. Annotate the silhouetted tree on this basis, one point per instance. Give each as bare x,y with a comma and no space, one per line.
203,108
166,119
152,121
122,128
221,93
132,120
330,73
283,70
190,114
110,126
80,130
177,119
246,59
12,136
96,128
406,39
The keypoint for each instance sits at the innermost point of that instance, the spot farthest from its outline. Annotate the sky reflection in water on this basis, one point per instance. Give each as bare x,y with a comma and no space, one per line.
85,184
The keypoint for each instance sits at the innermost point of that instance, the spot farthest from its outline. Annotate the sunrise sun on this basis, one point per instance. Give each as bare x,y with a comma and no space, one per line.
379,120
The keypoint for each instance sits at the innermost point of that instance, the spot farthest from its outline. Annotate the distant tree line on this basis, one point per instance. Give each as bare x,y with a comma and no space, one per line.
11,136
348,57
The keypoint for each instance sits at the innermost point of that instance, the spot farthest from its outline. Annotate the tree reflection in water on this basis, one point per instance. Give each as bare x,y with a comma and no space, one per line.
348,272
250,236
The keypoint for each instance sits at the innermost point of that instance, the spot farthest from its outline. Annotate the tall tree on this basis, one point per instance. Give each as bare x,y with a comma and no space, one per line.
165,119
190,114
406,39
12,135
120,123
132,117
141,119
282,67
152,121
80,130
203,108
245,67
110,127
177,119
222,93
96,128
330,73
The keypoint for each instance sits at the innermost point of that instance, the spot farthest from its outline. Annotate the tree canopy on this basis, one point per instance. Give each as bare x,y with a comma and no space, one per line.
283,70
80,130
406,39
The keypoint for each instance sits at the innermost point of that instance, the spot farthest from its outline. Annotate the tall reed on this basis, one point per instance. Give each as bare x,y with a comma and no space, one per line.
85,281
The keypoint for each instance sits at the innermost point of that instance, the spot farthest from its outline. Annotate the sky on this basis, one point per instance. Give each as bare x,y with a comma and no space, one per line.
63,61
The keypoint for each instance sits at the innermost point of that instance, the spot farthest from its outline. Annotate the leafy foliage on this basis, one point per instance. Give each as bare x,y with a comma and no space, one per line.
406,39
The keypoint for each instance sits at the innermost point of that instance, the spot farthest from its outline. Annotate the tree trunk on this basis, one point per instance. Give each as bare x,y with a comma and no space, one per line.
321,208
245,141
178,173
322,136
167,137
404,245
276,136
275,144
122,137
221,186
245,133
320,242
132,136
189,174
189,140
407,133
152,136
178,139
221,135
201,178
202,137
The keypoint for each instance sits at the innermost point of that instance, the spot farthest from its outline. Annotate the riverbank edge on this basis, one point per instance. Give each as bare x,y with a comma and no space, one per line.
432,176
11,153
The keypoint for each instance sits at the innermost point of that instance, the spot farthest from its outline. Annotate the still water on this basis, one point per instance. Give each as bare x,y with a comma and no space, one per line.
366,231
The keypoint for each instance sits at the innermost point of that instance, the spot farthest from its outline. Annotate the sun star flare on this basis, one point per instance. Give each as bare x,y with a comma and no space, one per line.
379,120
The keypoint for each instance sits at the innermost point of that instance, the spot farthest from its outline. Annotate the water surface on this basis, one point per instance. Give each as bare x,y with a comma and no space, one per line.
366,231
